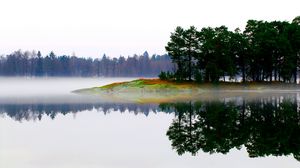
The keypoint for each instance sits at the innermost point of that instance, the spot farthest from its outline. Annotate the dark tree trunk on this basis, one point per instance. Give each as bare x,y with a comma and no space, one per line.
275,74
206,76
190,68
295,75
243,74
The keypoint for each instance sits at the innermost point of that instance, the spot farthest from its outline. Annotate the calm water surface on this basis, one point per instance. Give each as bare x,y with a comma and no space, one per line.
42,124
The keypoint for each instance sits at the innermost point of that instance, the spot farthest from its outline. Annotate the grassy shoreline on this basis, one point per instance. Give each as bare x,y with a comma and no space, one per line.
157,91
162,85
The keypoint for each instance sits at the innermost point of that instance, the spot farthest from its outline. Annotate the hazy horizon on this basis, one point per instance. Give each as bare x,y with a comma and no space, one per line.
91,28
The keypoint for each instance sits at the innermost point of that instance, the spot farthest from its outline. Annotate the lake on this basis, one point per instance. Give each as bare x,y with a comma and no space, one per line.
43,124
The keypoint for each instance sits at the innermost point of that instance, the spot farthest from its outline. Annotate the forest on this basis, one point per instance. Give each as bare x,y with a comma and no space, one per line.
264,51
33,63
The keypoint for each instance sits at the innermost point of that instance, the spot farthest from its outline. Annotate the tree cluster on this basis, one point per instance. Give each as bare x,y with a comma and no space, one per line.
264,51
34,64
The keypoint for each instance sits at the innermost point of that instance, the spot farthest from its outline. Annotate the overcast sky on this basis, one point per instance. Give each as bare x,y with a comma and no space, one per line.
91,28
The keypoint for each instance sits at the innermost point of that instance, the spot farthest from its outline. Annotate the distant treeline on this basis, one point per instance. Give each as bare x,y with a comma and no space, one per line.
264,51
35,64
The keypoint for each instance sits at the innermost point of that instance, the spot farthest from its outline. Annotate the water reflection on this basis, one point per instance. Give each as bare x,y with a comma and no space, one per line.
268,125
265,126
28,112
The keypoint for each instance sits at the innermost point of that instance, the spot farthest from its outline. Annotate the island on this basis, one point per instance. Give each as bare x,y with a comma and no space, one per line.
264,58
159,91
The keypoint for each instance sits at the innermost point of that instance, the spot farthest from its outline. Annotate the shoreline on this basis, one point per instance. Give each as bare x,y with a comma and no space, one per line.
167,86
157,91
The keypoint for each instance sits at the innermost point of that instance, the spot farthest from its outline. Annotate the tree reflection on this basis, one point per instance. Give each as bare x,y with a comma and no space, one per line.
265,126
29,112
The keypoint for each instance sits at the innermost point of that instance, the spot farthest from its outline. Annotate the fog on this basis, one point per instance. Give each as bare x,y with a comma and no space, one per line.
49,89
33,86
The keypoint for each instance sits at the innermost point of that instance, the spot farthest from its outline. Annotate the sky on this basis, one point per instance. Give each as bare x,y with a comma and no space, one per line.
90,28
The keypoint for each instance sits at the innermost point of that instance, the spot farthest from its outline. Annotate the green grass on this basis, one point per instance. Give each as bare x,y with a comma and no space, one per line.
155,90
159,85
148,84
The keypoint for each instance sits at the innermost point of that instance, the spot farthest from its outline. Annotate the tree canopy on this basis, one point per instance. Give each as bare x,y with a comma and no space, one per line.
264,51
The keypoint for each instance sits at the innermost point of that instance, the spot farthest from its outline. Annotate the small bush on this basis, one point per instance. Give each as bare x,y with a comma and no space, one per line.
198,77
166,75
162,75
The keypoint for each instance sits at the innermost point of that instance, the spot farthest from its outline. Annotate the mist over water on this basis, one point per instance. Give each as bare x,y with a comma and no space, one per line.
49,86
43,124
49,89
